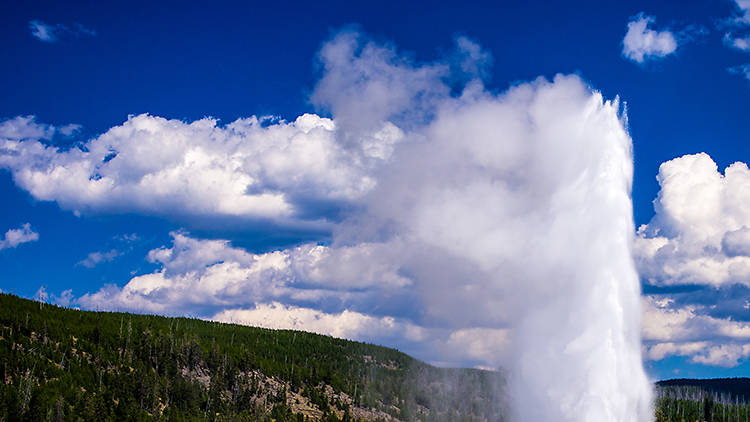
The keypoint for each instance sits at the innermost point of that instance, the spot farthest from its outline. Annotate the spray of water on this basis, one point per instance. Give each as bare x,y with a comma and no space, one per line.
510,212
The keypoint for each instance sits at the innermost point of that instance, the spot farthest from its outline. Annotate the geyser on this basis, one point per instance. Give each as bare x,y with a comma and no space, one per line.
509,212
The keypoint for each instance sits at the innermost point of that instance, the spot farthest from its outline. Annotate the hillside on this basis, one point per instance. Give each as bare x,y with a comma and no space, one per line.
64,365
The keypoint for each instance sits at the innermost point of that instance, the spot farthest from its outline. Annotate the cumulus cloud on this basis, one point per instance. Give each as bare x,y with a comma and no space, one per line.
193,272
700,237
334,291
485,347
738,25
663,321
700,233
294,175
726,355
690,331
365,84
52,33
743,16
26,127
252,169
642,43
212,274
15,237
346,324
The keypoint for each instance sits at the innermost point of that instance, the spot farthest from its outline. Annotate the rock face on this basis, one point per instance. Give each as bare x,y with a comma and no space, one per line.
65,364
270,389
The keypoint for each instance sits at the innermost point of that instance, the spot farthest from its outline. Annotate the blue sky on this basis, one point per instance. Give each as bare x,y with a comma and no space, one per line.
95,64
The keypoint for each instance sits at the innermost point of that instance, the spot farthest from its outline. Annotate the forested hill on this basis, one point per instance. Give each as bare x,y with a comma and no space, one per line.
62,364
718,399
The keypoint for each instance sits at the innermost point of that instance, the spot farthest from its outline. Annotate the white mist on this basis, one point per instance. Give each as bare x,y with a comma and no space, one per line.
508,213
513,212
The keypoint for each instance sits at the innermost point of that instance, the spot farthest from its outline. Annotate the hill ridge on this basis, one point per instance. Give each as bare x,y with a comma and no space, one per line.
64,364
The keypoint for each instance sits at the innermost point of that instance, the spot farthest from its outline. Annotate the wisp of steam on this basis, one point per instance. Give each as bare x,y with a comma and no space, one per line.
510,212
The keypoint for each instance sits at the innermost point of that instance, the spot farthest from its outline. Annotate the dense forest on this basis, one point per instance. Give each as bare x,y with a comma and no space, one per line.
712,400
61,364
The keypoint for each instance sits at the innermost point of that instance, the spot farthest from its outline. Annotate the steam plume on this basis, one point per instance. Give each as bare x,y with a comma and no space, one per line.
511,211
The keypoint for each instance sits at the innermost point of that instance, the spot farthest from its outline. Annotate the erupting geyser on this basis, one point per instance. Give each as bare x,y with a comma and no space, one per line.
576,330
511,213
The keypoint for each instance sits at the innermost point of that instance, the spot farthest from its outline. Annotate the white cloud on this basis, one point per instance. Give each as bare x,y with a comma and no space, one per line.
66,298
700,233
247,170
196,272
42,31
744,9
642,43
738,43
365,84
15,237
726,355
490,346
671,330
52,33
440,346
212,274
346,324
738,23
472,59
210,278
664,322
692,333
95,258
25,127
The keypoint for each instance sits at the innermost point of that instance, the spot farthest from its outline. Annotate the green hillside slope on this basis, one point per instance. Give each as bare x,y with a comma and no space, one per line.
64,365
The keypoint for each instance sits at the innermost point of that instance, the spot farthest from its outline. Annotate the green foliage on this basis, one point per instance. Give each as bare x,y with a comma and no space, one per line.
699,401
66,365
